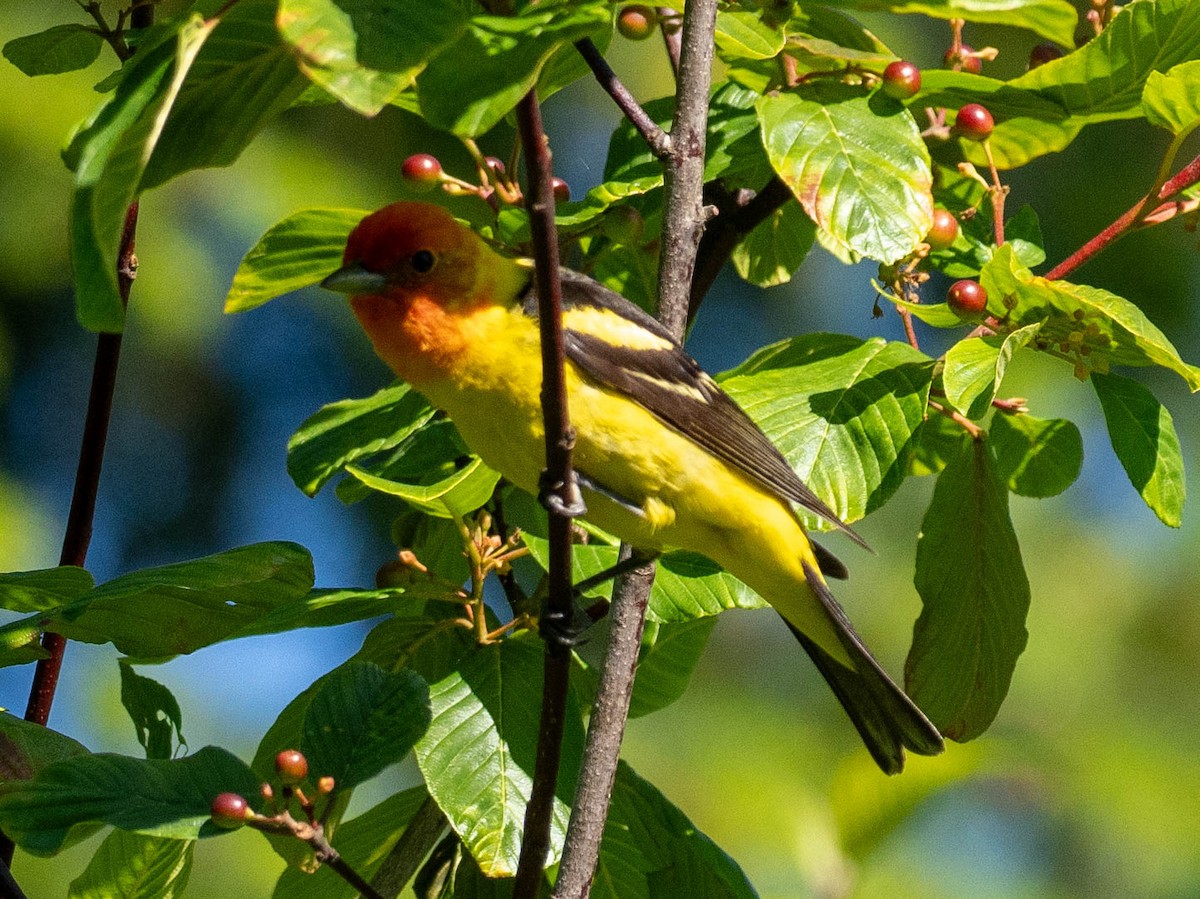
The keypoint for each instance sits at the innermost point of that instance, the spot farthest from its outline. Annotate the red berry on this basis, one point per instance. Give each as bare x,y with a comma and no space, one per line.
230,811
963,60
944,230
422,169
562,191
967,298
1044,53
637,22
901,79
974,122
291,766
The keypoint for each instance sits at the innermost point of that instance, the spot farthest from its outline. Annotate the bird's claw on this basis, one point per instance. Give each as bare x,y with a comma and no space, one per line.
560,498
564,629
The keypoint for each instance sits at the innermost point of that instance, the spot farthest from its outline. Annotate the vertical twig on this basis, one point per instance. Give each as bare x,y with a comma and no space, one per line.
683,226
78,534
559,484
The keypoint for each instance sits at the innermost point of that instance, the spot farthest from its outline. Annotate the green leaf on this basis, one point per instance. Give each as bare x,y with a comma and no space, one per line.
452,497
155,712
37,591
1034,456
843,411
26,748
478,754
176,609
109,155
361,720
155,797
1089,327
347,430
856,163
733,150
1172,100
133,866
242,79
975,596
473,83
1144,439
975,367
297,252
686,586
742,34
1052,19
650,848
1101,81
63,48
331,608
770,254
366,52
431,642
666,661
938,441
364,842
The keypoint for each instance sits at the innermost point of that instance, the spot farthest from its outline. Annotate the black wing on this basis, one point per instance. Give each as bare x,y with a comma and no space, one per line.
672,385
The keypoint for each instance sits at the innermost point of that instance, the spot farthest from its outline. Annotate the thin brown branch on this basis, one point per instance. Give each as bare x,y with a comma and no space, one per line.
672,34
737,215
560,493
657,139
683,226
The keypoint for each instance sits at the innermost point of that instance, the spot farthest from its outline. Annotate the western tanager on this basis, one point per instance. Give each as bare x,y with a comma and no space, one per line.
665,458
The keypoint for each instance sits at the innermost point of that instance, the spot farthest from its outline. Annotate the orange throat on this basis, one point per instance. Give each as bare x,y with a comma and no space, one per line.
414,335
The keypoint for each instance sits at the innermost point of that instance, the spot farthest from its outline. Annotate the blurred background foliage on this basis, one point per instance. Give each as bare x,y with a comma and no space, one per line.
1087,783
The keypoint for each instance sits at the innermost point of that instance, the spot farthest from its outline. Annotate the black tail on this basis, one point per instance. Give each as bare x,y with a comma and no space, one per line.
886,719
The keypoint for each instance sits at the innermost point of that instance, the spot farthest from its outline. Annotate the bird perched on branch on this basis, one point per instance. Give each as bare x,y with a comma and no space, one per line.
665,458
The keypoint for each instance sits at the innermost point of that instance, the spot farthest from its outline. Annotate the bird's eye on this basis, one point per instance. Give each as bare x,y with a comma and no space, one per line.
422,261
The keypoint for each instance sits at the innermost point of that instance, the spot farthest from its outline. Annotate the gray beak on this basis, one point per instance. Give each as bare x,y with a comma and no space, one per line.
355,280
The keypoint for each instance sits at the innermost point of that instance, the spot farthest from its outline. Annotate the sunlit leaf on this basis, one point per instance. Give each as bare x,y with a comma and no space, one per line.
975,367
342,432
856,163
478,755
744,34
1090,327
109,155
297,252
1052,19
135,866
843,411
478,79
1171,100
365,52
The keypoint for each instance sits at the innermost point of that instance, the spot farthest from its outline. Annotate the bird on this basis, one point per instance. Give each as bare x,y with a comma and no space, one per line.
664,457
